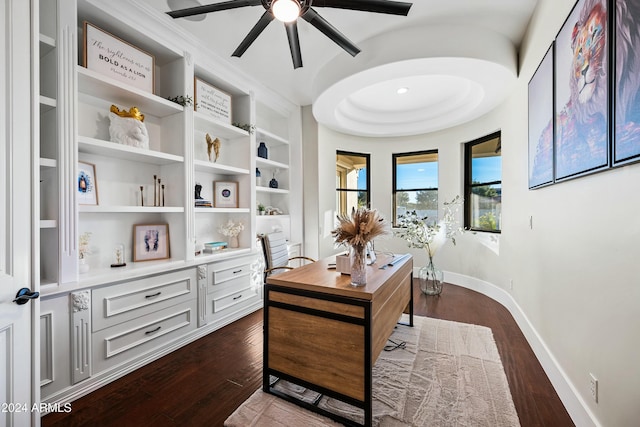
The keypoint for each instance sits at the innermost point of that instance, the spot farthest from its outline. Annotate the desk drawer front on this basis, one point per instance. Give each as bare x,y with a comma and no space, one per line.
126,301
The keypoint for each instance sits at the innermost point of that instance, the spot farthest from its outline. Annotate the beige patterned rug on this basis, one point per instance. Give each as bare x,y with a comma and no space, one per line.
447,374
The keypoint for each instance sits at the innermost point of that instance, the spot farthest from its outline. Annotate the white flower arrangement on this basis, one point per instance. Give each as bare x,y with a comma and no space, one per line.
419,234
83,247
231,229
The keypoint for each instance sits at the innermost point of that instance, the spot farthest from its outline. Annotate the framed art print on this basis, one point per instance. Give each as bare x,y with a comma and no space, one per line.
626,141
582,91
212,101
86,184
541,123
117,59
150,242
225,194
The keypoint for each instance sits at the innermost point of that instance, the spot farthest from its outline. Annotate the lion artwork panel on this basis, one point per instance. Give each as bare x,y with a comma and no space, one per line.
582,90
627,80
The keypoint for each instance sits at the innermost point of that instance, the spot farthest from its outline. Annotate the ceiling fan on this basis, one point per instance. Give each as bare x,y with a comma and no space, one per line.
288,11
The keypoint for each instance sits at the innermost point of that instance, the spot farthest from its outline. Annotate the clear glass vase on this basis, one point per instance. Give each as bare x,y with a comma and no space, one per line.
430,279
358,265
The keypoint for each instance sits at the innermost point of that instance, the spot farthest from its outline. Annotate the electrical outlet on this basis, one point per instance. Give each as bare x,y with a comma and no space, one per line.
593,386
511,284
531,222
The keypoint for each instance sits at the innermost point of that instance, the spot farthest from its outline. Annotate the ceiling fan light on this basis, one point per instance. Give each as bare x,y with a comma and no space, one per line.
286,10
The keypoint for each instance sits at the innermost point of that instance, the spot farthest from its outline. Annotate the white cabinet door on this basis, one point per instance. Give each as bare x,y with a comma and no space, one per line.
17,372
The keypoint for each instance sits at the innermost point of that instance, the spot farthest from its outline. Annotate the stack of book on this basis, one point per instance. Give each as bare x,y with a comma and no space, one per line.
213,247
202,203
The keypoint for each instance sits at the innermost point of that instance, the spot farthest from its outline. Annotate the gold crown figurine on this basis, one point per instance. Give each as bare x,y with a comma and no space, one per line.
133,113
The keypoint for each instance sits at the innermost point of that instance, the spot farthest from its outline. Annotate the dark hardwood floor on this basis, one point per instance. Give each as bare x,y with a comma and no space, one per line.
202,383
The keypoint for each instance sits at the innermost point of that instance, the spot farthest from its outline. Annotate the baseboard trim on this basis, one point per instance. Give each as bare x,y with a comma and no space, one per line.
573,402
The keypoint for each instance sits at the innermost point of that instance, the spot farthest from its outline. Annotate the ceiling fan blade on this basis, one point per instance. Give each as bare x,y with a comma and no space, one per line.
294,43
262,23
377,6
312,17
216,7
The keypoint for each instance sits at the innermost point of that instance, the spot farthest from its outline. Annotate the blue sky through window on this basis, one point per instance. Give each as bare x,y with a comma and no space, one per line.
417,175
486,169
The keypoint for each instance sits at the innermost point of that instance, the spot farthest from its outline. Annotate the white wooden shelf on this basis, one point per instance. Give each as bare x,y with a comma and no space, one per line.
204,166
99,86
47,44
217,128
221,210
48,223
272,137
272,190
47,103
125,152
266,163
47,163
129,209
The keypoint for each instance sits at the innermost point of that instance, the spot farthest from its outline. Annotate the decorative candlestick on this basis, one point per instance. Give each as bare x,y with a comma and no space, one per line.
141,195
159,199
162,194
155,190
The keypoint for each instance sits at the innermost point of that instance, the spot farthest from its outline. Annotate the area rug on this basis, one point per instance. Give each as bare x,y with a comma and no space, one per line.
443,373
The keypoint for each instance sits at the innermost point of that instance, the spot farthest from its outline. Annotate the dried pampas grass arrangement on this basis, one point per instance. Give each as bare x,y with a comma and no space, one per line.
359,228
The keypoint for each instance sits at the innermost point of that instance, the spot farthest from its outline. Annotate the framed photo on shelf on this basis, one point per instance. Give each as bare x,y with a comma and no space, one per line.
115,58
541,123
626,141
212,101
225,194
87,184
582,91
150,242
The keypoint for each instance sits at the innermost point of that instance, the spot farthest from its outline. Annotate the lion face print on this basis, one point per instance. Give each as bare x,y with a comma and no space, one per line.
589,47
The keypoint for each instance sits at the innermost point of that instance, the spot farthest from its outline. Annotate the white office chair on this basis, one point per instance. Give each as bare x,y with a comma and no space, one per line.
276,253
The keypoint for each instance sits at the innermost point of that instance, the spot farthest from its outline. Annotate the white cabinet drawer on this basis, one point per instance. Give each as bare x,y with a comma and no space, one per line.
122,343
224,271
120,303
227,300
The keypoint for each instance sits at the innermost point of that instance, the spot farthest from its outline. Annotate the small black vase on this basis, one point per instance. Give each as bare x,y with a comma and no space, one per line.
262,150
273,183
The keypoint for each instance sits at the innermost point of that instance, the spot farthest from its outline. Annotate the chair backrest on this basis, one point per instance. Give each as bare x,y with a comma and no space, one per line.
276,252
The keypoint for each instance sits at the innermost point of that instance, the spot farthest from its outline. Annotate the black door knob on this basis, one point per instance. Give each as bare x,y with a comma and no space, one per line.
24,295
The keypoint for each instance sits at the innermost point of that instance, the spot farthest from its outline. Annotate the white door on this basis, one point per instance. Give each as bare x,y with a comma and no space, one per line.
17,370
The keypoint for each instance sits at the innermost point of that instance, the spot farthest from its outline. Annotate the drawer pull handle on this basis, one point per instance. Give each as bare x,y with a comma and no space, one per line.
153,331
237,271
238,297
154,295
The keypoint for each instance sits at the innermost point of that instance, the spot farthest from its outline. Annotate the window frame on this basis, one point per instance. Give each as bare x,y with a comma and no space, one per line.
468,185
342,191
394,189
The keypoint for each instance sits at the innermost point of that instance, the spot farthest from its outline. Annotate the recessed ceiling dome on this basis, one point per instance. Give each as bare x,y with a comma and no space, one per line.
395,88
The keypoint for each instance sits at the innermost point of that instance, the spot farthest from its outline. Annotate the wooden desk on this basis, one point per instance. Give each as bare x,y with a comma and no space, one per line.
325,334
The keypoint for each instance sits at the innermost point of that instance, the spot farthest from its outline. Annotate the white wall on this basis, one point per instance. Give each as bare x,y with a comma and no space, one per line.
575,274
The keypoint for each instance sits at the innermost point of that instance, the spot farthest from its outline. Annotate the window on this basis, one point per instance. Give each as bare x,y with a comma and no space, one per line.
483,184
415,184
352,181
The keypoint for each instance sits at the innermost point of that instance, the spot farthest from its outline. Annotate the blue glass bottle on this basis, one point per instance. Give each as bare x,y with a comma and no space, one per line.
262,150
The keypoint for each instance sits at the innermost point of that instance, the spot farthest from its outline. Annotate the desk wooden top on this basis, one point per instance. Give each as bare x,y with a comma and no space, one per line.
319,277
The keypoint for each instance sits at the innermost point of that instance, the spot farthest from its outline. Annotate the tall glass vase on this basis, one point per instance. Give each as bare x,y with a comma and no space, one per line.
358,265
430,279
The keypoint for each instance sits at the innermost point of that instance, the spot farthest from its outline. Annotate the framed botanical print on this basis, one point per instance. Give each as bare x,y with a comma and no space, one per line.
541,123
582,91
86,184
